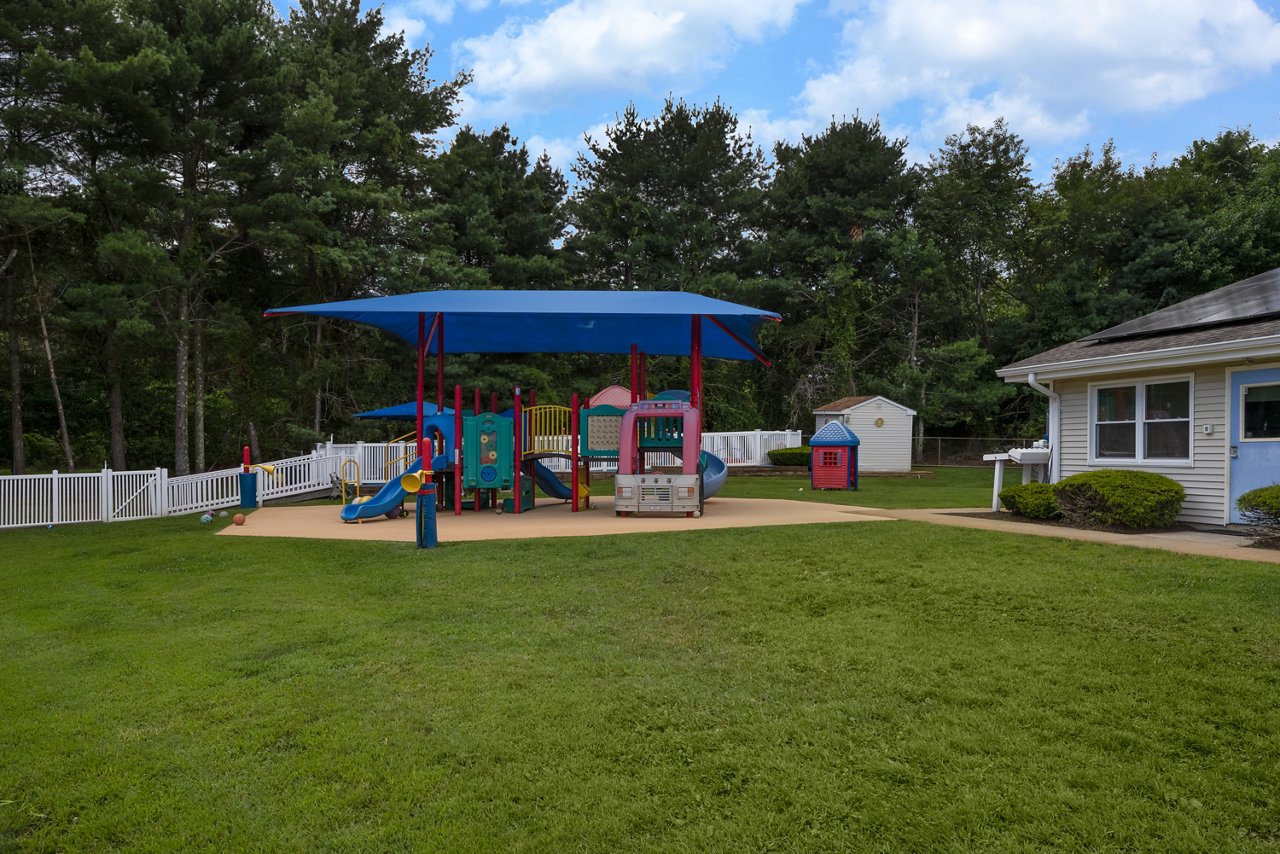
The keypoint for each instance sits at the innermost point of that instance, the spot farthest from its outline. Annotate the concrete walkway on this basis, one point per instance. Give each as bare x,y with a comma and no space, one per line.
1205,543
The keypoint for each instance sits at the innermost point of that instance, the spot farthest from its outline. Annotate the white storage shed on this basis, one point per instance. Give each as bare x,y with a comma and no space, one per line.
883,427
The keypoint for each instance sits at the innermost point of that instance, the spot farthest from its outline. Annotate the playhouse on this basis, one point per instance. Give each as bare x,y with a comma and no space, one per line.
484,454
834,457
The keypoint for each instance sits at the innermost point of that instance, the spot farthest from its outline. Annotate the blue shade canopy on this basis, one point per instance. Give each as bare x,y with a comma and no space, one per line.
658,323
403,411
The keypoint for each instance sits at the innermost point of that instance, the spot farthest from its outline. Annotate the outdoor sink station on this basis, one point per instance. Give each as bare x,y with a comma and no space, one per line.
1033,460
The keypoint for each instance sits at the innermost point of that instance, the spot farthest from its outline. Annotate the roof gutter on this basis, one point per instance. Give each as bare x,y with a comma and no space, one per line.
1055,425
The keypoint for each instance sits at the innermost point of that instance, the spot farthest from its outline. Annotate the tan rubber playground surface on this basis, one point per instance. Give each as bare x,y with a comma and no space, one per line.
553,519
549,519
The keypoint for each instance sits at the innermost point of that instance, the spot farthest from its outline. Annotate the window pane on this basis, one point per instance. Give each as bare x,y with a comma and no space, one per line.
1262,412
1117,404
1168,400
1169,440
1116,440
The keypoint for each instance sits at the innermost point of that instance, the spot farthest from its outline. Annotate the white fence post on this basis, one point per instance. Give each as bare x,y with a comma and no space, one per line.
56,489
162,492
104,494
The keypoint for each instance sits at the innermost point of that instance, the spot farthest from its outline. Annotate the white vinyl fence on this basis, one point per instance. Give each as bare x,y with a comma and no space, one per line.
118,496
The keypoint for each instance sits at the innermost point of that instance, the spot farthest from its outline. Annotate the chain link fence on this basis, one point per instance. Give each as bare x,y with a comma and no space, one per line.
954,451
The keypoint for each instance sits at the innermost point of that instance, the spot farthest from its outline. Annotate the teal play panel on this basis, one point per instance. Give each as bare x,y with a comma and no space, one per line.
488,452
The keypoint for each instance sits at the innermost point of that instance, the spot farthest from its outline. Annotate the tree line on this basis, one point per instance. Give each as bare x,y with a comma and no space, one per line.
171,169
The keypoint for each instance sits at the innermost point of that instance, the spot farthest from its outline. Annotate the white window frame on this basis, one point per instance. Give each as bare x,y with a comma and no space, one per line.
1244,387
1140,434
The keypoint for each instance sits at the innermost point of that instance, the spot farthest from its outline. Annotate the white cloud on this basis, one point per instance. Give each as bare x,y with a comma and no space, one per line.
1045,65
598,45
563,152
440,11
396,20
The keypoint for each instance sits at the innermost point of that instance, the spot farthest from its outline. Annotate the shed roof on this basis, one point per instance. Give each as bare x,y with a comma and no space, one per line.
658,323
845,404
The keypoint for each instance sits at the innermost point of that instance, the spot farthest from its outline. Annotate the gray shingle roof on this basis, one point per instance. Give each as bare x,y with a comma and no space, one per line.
1240,312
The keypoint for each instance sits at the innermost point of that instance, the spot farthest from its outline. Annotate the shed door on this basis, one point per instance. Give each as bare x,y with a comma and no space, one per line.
1255,432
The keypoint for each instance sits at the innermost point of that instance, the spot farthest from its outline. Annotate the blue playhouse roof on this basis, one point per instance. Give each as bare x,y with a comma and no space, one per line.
834,433
657,322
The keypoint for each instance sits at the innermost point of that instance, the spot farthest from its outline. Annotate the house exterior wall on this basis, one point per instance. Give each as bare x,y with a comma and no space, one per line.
1204,477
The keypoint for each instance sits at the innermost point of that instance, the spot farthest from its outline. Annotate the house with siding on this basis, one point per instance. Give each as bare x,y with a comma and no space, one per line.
883,427
1191,391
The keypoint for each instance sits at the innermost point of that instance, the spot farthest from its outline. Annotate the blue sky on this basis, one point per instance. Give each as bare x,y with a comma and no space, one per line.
1153,76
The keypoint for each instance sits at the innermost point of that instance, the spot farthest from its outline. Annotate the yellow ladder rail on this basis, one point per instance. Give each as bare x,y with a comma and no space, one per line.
547,429
342,473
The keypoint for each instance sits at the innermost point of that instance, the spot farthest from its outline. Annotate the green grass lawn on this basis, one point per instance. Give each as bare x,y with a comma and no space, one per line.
882,687
947,487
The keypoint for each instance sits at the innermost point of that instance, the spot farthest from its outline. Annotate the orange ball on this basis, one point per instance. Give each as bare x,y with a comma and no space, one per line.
238,519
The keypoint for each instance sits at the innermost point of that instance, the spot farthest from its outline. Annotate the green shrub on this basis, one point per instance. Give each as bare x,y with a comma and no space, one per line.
1033,500
1261,511
790,456
1114,498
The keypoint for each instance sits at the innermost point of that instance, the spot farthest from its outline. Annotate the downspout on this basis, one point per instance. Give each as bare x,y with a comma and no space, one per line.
1055,426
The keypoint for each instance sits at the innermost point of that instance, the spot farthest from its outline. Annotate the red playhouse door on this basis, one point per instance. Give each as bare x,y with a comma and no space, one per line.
831,468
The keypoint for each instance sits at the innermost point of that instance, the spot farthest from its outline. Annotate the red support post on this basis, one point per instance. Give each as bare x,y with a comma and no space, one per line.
533,397
518,461
573,451
493,401
440,360
457,450
422,358
695,368
635,378
475,410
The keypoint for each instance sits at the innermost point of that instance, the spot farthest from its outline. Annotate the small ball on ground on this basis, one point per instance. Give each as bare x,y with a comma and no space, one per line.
222,515
238,519
206,519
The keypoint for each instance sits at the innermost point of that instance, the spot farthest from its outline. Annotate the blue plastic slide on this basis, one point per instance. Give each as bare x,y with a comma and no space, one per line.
550,484
391,495
714,471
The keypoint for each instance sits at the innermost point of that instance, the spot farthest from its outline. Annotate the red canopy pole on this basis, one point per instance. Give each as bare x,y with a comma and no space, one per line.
518,462
635,367
695,368
440,360
422,358
493,401
573,451
476,409
457,450
533,397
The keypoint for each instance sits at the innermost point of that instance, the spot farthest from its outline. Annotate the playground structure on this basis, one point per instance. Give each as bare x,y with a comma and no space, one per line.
474,457
637,323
